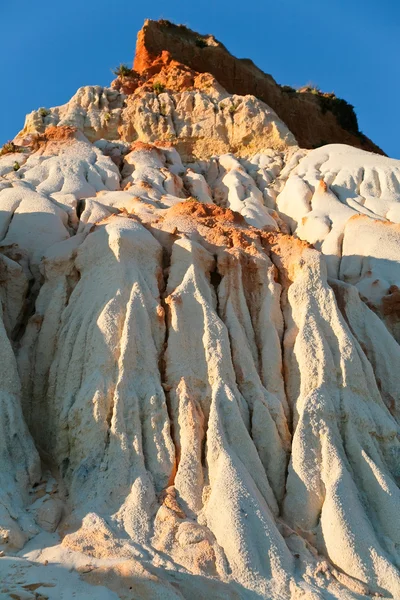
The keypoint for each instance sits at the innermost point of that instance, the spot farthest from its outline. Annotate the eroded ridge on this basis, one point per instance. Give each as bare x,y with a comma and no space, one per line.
200,392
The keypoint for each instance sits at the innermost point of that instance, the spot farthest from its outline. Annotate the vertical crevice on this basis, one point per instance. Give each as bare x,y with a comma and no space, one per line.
28,310
162,363
80,207
283,279
215,280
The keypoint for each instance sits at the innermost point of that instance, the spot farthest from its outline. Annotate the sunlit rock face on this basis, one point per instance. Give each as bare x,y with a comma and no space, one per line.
200,360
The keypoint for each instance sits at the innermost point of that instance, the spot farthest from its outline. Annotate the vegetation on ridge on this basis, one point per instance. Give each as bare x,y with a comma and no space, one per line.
200,43
9,148
44,112
158,87
123,71
343,111
328,101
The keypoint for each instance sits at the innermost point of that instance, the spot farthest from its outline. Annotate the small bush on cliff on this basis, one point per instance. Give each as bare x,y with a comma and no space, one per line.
16,166
288,89
343,111
123,71
44,112
200,43
310,88
166,23
158,87
9,148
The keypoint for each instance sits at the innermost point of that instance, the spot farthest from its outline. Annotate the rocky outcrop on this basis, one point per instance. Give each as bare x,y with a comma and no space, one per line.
314,118
94,110
347,205
199,333
198,122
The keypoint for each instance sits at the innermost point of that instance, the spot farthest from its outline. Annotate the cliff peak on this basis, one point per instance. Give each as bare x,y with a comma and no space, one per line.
314,117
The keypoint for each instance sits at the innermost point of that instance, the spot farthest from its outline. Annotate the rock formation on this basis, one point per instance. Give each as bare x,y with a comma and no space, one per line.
313,117
200,342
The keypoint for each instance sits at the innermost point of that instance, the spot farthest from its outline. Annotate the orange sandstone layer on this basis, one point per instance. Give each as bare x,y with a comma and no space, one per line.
310,117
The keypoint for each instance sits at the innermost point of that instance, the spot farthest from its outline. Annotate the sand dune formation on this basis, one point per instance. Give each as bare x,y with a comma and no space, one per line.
200,361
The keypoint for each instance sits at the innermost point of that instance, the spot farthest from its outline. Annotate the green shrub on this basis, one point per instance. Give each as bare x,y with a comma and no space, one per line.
44,112
123,71
9,148
343,111
309,88
158,87
16,166
107,117
233,108
200,43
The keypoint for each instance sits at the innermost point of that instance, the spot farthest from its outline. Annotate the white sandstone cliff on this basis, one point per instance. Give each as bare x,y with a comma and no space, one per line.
199,339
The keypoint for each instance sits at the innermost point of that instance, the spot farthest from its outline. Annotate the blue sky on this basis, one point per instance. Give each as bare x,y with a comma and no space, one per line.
50,48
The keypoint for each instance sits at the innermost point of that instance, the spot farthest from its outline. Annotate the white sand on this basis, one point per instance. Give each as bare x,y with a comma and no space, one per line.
215,417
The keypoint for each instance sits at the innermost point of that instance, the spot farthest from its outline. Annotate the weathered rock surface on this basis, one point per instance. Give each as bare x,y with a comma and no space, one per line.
313,118
200,354
199,122
347,203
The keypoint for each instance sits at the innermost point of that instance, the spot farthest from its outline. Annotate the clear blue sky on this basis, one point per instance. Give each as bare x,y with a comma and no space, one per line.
50,48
